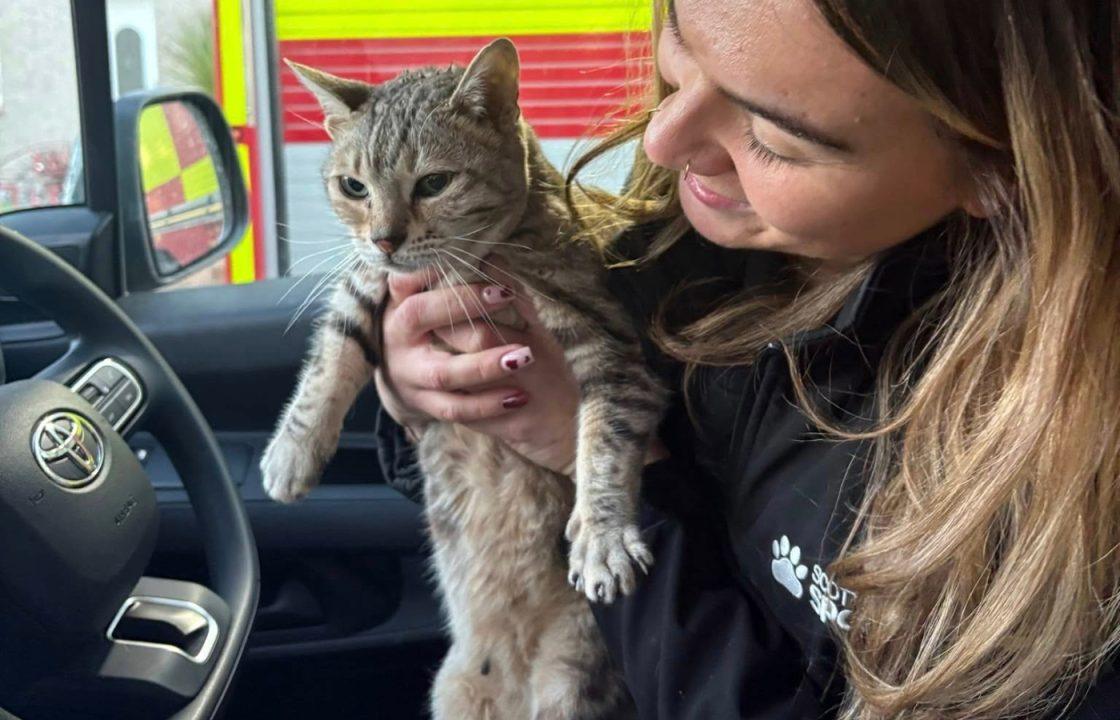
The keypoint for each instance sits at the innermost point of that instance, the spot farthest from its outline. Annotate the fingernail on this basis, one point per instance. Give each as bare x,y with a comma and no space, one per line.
515,401
516,359
496,294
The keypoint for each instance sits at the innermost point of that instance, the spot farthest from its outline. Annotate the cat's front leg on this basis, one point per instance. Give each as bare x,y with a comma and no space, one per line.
618,414
621,403
343,356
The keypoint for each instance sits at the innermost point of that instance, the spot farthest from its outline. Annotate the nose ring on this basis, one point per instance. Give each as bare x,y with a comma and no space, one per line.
660,105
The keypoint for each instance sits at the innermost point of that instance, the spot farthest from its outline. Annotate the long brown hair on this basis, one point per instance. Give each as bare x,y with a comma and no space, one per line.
985,555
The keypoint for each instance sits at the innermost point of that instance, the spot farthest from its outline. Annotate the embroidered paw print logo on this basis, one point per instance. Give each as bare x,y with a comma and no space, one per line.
787,567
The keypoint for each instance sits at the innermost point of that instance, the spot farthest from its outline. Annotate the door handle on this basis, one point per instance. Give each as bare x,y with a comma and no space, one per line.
294,606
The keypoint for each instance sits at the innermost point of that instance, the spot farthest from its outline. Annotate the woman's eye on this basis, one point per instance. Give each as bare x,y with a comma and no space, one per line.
353,188
432,185
763,152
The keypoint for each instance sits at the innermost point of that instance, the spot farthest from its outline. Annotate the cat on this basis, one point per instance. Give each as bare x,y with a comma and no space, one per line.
478,188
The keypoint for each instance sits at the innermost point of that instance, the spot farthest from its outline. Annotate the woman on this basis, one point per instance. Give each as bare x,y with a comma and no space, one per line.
897,495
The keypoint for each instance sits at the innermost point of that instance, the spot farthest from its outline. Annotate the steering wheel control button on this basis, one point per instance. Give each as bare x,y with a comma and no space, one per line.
119,393
127,395
108,376
68,449
92,393
112,413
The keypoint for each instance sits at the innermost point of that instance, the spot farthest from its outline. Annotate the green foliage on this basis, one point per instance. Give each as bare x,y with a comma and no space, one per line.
189,52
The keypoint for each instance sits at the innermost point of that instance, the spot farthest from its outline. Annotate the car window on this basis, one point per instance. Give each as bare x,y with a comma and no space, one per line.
167,44
40,123
579,60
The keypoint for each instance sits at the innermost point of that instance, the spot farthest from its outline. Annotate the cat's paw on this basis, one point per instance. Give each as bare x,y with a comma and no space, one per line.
602,558
289,469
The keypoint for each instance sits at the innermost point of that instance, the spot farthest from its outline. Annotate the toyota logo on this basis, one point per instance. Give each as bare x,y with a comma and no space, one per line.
68,449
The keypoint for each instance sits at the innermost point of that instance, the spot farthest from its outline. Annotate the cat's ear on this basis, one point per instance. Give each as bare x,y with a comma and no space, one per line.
489,85
339,97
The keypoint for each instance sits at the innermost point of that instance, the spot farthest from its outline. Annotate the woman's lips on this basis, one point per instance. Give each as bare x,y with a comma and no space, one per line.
710,197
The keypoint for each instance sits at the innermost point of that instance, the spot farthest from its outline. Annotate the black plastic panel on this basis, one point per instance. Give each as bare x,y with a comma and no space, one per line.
77,234
232,347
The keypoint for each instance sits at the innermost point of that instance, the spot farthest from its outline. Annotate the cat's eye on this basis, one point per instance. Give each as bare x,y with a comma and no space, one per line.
353,188
432,185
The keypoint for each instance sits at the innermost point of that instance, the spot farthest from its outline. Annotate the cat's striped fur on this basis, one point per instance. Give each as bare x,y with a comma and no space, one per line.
524,645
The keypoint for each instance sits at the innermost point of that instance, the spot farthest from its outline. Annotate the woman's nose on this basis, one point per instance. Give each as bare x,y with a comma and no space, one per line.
681,132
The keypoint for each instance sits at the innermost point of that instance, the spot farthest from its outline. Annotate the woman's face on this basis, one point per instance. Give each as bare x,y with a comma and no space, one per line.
786,141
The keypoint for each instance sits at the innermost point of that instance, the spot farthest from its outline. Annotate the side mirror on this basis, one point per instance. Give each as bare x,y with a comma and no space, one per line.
182,197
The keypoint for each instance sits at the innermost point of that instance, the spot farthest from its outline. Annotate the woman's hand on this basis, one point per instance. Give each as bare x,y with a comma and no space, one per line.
511,384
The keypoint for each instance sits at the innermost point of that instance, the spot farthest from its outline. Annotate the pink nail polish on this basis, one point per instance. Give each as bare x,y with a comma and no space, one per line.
517,359
495,294
515,401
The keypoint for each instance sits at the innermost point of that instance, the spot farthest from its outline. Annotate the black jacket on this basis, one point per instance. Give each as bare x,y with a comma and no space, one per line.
737,616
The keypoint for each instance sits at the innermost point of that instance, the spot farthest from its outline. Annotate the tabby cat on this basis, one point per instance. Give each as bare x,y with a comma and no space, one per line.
437,168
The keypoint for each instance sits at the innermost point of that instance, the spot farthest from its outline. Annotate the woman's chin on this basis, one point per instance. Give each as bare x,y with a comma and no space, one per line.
731,230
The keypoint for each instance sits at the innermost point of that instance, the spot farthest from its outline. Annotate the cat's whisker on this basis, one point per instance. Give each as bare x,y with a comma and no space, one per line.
366,260
295,285
449,281
322,259
311,299
324,282
463,305
327,281
319,253
477,230
485,275
495,242
506,273
443,274
310,272
289,226
324,241
327,286
483,310
476,257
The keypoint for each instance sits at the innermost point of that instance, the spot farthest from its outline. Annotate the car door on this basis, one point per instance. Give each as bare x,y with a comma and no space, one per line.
348,625
346,617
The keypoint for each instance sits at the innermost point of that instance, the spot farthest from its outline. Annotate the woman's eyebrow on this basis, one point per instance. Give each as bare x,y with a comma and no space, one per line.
791,125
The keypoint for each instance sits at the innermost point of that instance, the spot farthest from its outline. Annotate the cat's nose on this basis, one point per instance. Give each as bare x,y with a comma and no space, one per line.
389,243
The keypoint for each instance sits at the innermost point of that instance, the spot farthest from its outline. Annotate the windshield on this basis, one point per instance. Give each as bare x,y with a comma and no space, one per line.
40,126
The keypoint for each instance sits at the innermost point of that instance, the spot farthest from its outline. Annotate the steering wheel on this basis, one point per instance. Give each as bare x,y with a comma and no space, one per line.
78,521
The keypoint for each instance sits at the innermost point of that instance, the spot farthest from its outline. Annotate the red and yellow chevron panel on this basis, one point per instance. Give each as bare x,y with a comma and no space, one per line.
180,183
